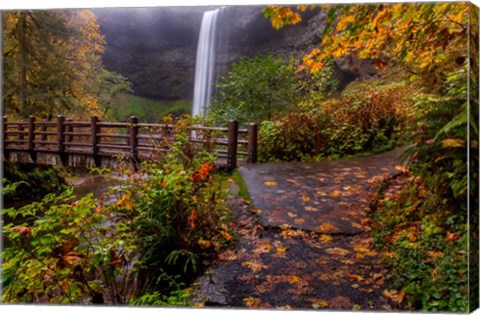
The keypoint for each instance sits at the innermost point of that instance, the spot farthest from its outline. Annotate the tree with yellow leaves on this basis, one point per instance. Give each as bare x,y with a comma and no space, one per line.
52,64
426,39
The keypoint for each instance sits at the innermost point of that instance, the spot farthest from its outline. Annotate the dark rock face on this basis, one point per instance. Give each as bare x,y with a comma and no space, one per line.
155,48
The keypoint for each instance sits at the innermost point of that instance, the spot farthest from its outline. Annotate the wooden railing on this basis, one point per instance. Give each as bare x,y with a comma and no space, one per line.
136,140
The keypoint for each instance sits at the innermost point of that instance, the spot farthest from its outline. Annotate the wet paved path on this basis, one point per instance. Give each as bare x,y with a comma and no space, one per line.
326,196
303,243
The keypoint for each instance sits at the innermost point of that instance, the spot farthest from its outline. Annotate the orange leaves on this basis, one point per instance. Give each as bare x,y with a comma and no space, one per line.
452,237
281,16
202,173
192,218
252,302
226,236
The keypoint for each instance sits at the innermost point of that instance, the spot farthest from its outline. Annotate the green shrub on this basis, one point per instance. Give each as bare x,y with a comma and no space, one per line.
36,181
255,89
169,219
424,232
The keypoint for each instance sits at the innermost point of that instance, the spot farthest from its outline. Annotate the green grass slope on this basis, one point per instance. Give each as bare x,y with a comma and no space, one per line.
125,105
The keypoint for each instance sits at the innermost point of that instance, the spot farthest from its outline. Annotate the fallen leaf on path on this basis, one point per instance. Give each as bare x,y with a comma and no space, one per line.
327,227
362,251
337,251
356,278
264,248
310,209
305,198
299,221
394,295
325,238
294,279
318,303
254,265
335,194
281,250
252,302
324,277
291,214
270,183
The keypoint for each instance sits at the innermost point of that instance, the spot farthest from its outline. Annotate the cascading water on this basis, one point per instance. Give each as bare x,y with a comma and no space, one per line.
205,62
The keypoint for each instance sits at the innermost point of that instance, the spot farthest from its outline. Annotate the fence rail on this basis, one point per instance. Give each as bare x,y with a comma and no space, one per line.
136,140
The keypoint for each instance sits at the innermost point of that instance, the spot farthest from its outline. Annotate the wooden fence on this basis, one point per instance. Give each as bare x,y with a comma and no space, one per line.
132,139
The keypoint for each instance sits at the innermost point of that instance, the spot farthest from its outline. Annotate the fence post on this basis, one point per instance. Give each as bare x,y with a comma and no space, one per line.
94,131
4,137
252,143
68,128
20,136
61,139
133,140
43,137
31,138
232,144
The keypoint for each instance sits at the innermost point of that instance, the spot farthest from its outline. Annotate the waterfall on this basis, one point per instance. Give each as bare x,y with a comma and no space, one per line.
204,63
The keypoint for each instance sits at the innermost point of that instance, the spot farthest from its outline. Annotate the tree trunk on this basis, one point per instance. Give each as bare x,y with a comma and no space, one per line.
22,64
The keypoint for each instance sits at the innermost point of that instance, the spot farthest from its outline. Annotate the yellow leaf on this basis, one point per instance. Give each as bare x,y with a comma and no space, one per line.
226,236
337,251
327,227
452,143
263,248
270,183
294,279
320,304
281,249
256,210
204,243
335,194
252,302
299,221
254,265
125,202
325,238
394,295
356,278
305,198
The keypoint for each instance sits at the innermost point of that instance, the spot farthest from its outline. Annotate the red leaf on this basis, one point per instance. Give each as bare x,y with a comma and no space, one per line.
22,230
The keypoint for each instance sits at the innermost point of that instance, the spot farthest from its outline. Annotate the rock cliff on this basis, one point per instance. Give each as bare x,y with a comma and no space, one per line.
156,47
